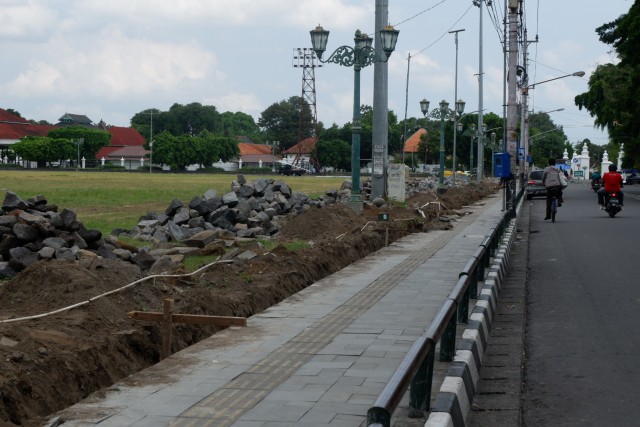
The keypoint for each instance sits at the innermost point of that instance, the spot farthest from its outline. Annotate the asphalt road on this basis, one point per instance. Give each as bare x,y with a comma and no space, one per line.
583,311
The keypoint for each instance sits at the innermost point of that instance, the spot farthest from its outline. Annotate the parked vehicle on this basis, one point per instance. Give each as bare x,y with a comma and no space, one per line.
534,185
612,204
633,178
288,170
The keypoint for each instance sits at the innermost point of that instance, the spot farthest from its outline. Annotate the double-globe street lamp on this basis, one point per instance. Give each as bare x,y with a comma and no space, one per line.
443,113
359,56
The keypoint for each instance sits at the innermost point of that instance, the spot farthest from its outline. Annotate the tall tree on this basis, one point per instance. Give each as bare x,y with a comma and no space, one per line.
239,124
281,121
92,139
190,119
334,153
44,150
546,139
614,88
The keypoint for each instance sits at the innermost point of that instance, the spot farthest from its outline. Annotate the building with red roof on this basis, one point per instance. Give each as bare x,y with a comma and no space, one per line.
257,155
413,142
126,148
13,128
302,154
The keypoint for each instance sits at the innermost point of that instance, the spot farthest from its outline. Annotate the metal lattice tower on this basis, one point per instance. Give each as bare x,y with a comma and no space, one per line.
305,58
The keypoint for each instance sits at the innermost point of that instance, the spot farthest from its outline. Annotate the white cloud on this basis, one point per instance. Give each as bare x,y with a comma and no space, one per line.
115,67
25,20
245,102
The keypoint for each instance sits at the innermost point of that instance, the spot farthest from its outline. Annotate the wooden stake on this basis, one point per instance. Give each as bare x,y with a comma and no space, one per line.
167,318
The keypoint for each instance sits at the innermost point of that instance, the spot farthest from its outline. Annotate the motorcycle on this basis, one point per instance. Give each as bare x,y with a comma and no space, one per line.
596,184
612,205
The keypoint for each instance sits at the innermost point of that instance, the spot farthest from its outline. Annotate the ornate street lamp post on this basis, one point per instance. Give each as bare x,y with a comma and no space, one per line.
443,113
358,57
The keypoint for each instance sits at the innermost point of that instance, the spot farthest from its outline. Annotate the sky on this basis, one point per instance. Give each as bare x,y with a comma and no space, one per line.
112,59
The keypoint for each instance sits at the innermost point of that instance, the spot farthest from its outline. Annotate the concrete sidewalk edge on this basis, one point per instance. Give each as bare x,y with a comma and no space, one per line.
453,402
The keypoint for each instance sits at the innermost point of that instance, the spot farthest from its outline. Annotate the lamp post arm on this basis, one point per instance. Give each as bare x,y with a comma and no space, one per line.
546,131
470,112
576,74
348,56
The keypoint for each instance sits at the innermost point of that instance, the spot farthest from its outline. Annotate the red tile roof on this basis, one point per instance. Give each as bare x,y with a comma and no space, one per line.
247,148
6,116
18,131
125,136
125,142
13,127
411,144
305,146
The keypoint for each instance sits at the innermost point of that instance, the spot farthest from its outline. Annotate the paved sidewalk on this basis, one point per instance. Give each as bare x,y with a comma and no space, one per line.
321,357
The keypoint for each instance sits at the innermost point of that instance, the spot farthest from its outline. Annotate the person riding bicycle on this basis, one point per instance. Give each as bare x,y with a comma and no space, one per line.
611,183
551,180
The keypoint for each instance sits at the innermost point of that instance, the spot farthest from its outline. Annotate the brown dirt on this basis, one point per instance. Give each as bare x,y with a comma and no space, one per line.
52,362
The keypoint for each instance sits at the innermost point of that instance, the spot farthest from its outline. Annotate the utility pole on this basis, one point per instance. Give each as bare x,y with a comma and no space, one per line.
455,110
380,131
512,108
480,169
524,126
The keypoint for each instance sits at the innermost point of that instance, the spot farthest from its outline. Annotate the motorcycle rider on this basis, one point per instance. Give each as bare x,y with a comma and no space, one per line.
611,183
551,180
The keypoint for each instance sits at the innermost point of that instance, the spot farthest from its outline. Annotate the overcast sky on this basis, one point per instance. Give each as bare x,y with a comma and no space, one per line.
112,59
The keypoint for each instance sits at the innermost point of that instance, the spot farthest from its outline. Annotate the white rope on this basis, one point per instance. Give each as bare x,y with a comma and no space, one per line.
60,310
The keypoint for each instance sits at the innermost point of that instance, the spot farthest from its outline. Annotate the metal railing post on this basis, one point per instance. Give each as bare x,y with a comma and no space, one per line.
420,390
448,341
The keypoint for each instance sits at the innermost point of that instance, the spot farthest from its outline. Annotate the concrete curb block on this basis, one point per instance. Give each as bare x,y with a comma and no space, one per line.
453,402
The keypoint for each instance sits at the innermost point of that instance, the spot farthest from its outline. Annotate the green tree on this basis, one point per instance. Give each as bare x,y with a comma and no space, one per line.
190,119
240,124
334,153
546,139
14,112
614,88
212,148
44,150
176,151
281,121
93,139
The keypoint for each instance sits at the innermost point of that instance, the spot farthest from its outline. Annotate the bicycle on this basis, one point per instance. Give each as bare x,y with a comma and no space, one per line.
554,204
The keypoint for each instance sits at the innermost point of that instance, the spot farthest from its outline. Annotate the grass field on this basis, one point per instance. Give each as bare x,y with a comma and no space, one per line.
108,200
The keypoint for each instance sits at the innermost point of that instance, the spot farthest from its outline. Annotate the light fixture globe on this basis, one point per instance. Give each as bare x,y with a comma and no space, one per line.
319,39
460,106
444,106
362,40
389,38
424,107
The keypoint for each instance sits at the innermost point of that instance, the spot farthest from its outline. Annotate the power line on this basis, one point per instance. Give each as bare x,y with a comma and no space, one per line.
419,13
446,32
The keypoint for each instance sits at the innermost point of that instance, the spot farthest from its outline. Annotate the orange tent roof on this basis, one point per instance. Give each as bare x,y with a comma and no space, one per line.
411,144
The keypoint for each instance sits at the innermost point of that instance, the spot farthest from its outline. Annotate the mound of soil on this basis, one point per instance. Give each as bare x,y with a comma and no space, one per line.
52,361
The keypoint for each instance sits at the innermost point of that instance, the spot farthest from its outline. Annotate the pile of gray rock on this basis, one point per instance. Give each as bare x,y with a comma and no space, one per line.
33,229
249,210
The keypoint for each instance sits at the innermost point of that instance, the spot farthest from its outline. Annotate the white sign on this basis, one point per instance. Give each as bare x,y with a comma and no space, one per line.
396,182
